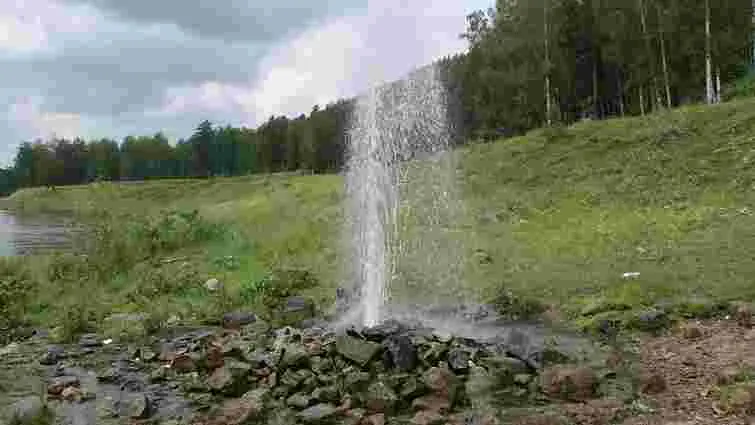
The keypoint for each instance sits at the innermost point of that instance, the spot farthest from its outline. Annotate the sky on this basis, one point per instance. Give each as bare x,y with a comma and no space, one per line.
112,68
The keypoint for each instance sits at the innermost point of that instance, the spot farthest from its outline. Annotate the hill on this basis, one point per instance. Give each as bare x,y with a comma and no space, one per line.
559,215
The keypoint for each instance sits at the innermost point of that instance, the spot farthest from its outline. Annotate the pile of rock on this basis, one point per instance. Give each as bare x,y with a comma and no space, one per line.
388,374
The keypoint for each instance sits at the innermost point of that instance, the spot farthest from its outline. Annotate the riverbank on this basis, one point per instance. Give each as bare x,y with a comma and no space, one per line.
608,227
601,218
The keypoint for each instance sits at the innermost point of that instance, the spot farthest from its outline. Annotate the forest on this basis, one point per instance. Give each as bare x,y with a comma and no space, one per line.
529,64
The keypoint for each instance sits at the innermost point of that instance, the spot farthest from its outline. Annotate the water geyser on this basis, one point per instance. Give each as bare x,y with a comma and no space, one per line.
401,200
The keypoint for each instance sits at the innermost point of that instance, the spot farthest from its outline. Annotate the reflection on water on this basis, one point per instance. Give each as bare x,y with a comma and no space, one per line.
35,234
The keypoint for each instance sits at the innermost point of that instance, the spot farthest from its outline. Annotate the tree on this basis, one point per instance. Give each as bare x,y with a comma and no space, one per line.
201,141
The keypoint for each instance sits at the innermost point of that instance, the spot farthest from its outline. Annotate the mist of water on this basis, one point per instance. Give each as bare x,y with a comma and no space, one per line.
402,201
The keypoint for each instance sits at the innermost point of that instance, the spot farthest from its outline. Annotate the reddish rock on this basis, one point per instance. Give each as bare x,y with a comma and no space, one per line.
72,394
239,411
432,403
428,418
743,313
183,363
378,419
652,383
214,359
690,331
569,383
441,382
60,383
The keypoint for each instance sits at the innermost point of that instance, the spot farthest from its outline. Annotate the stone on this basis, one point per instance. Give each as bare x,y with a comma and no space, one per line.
400,353
134,406
651,320
428,418
380,398
325,394
442,382
377,419
296,310
241,410
299,401
383,330
571,383
743,313
690,331
505,366
72,394
214,358
109,375
28,411
357,350
183,363
318,413
60,383
294,356
432,403
89,341
652,383
355,381
52,356
228,378
458,360
479,385
238,319
213,285
411,389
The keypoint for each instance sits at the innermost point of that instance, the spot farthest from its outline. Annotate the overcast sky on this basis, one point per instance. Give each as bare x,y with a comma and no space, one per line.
96,68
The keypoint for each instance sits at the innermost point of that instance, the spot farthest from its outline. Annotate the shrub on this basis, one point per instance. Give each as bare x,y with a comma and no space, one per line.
15,288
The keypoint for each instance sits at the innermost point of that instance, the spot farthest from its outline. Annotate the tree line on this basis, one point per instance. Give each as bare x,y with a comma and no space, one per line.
530,64
538,62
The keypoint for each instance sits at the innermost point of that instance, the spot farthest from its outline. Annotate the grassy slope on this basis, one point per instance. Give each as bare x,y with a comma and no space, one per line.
562,213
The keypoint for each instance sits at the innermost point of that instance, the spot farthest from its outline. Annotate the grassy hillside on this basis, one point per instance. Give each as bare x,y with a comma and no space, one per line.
559,215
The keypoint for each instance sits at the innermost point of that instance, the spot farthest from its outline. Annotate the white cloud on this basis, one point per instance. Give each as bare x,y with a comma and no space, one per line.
36,123
31,25
336,60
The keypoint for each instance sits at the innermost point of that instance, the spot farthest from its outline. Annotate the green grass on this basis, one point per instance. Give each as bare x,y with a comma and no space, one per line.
559,215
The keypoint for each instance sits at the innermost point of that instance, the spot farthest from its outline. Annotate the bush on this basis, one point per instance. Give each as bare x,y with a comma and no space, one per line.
742,88
15,288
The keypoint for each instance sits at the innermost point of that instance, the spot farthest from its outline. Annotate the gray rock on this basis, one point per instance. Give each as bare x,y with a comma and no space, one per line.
60,383
325,394
458,360
299,401
651,320
357,350
400,353
52,356
89,341
134,406
380,398
237,319
318,413
383,330
28,411
230,377
294,355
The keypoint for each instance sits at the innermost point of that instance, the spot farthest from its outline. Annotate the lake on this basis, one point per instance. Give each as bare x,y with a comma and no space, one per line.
34,234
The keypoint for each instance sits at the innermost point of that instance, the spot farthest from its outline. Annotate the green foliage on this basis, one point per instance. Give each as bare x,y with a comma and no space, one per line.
515,307
15,291
741,89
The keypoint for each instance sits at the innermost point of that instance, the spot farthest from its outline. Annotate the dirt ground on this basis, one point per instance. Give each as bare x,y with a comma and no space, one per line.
681,371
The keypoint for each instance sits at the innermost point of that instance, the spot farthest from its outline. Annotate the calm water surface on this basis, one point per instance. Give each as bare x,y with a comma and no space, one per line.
34,234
